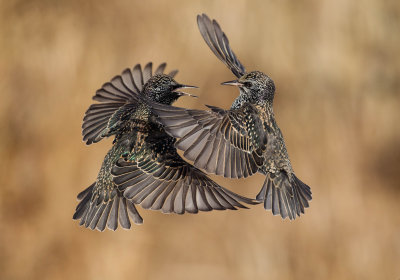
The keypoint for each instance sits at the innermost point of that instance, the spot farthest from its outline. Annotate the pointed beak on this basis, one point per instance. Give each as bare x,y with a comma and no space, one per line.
186,86
181,93
232,83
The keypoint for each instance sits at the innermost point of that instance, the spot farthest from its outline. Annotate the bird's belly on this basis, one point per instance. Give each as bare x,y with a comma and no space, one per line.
275,158
104,179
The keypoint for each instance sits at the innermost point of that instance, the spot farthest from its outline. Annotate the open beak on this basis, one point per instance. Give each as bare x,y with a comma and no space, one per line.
181,93
232,83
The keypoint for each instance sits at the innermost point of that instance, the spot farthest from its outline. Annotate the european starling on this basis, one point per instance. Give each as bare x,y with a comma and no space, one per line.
143,166
243,140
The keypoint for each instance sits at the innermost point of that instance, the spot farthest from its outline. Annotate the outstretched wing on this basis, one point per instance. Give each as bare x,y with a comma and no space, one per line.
219,44
224,142
166,182
122,89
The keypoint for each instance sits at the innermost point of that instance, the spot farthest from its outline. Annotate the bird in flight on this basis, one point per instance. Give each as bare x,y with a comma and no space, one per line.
143,166
242,140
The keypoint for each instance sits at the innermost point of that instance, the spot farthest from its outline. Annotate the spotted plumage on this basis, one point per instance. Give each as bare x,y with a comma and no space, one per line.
143,166
243,140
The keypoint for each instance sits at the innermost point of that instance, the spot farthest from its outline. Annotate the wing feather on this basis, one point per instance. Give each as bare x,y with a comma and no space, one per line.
224,142
121,90
218,42
166,182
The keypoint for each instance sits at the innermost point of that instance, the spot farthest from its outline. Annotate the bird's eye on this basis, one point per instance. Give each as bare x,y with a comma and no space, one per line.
247,84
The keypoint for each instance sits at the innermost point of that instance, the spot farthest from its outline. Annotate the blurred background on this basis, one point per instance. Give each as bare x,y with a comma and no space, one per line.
336,65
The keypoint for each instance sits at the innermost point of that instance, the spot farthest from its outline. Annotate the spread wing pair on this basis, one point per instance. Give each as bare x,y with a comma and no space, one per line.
156,177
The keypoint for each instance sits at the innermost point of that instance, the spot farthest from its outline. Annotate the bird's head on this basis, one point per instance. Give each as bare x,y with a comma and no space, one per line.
164,89
258,87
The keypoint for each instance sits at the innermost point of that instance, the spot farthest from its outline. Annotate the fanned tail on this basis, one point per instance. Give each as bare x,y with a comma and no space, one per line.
101,214
284,195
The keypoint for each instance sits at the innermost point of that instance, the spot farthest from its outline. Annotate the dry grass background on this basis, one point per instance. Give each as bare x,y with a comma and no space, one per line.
336,65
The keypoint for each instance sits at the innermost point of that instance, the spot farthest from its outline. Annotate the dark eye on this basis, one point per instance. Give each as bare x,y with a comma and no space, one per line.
247,84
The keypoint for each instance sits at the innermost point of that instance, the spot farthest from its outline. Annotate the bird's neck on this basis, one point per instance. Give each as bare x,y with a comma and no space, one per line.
244,98
266,104
267,107
239,101
253,97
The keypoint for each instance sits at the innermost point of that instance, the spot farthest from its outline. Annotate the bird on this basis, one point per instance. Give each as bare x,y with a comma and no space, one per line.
243,140
143,166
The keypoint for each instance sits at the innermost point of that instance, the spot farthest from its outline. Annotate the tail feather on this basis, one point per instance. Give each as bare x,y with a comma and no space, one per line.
284,195
98,216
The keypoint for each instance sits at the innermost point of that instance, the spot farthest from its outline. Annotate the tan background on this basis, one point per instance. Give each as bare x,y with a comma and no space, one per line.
336,65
